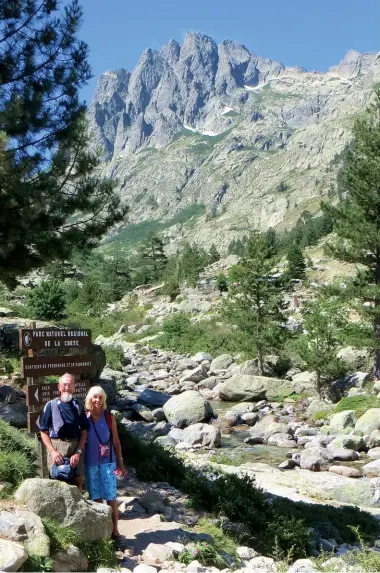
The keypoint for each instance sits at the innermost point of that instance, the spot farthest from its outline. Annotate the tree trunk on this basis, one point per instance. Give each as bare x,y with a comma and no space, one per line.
260,361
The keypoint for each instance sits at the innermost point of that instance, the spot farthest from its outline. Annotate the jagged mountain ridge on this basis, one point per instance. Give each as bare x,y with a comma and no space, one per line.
253,141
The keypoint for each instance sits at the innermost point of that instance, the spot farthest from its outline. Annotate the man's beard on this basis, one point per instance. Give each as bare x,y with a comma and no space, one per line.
66,397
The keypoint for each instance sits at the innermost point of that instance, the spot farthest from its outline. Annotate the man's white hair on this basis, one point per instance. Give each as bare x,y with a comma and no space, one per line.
66,375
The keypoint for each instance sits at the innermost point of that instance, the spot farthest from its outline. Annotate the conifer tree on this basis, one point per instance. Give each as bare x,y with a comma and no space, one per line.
153,256
51,198
356,218
255,303
214,254
296,262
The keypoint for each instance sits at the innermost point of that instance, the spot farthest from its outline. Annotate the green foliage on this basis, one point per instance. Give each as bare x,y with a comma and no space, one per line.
99,554
356,217
296,263
172,287
364,559
255,302
114,357
37,563
324,322
61,536
308,231
222,541
46,301
182,335
358,403
105,325
14,440
15,466
205,553
151,259
214,254
135,233
222,282
53,198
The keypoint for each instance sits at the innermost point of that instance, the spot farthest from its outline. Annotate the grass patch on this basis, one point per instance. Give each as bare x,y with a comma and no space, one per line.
222,541
106,325
234,459
358,403
14,440
37,563
15,467
277,528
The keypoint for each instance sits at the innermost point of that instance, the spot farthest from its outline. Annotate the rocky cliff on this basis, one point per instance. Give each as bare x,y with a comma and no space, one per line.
210,141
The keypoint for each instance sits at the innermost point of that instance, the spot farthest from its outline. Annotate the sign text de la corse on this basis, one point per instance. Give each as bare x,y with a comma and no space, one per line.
31,339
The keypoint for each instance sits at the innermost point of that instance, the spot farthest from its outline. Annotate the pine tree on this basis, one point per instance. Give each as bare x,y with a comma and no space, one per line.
323,335
214,254
271,239
356,218
51,198
296,262
153,256
255,303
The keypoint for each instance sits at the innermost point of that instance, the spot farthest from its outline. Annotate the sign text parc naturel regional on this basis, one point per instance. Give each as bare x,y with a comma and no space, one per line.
37,339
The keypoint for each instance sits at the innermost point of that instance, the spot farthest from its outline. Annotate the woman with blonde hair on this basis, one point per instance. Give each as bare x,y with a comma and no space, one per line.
103,456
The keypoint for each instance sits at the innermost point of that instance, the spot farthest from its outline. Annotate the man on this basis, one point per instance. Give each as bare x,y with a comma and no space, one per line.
64,428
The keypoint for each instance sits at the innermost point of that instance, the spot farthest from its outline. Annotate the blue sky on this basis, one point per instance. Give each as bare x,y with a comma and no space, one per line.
312,33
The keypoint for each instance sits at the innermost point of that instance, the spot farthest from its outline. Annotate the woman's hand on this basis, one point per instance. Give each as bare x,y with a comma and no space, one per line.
123,470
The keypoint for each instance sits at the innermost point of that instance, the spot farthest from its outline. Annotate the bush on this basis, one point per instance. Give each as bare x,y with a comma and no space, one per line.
114,357
222,283
15,467
47,301
14,440
183,336
203,552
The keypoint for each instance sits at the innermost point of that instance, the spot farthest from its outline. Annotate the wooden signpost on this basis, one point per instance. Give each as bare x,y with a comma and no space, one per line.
60,345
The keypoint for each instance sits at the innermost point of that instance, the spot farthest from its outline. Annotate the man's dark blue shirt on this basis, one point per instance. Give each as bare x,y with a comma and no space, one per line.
74,421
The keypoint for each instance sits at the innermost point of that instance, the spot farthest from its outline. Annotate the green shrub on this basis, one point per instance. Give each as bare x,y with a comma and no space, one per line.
99,554
114,357
14,440
205,553
183,336
15,467
358,403
47,301
222,282
37,563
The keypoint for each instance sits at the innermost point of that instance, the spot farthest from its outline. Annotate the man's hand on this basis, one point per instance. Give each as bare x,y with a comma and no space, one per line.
74,460
57,458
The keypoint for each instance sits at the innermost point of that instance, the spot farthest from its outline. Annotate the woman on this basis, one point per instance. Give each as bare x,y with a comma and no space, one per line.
103,453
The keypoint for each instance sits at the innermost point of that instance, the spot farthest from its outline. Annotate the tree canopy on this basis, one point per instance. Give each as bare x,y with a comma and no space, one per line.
52,197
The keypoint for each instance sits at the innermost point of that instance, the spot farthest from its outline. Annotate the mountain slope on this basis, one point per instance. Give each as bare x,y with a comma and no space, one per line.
253,142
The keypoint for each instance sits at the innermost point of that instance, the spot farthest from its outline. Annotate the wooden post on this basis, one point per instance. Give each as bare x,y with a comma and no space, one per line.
41,451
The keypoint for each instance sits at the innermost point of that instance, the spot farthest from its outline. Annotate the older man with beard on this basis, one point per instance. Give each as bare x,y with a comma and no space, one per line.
64,428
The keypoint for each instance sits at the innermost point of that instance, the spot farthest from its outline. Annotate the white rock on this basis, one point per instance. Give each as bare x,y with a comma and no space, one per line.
157,552
12,555
246,552
144,569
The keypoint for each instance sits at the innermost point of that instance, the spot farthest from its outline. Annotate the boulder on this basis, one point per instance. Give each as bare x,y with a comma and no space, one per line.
196,375
317,406
342,420
374,439
343,454
202,436
143,412
165,441
282,441
305,382
157,553
27,528
158,415
372,469
354,358
249,367
152,398
98,362
267,427
6,312
65,504
208,383
231,418
374,453
108,382
250,418
368,422
254,388
221,362
201,356
244,408
351,442
69,559
315,459
186,364
303,566
12,555
187,408
15,414
346,471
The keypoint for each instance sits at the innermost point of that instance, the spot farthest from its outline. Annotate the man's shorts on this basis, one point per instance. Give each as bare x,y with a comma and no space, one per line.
66,449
